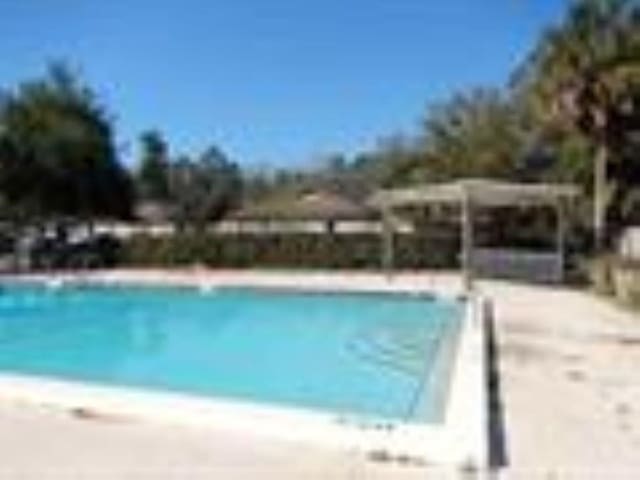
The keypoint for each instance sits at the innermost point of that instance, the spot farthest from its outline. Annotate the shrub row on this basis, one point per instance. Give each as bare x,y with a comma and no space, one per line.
361,251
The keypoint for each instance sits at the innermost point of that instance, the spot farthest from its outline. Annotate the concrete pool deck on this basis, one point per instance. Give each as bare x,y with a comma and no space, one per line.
568,388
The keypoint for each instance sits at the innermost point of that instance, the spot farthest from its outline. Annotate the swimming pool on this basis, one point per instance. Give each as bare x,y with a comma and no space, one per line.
368,355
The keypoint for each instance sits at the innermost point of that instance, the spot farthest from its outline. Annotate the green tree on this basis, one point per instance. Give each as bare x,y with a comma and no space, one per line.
480,133
153,171
396,161
57,151
583,76
256,185
203,190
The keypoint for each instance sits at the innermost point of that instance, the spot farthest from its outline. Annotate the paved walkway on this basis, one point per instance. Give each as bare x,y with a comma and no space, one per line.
39,444
569,378
568,407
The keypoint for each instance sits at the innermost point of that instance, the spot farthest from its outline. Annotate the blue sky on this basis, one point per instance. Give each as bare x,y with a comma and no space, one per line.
273,82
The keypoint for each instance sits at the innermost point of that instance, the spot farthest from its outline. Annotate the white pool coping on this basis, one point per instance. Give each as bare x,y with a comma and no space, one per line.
460,440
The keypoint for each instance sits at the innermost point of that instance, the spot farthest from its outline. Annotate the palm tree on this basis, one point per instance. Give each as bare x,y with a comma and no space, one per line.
581,76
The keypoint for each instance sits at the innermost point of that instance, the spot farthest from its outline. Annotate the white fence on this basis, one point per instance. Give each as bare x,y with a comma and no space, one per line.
542,267
258,227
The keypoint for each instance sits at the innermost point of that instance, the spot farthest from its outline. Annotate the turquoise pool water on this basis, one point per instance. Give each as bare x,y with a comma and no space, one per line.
369,355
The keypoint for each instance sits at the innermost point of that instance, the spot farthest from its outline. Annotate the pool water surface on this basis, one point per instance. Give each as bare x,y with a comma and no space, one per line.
368,355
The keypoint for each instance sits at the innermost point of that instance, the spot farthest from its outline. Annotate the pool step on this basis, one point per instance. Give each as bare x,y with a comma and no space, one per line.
406,357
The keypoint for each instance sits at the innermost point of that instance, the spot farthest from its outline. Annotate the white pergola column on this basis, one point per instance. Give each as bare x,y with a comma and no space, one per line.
560,240
466,247
387,242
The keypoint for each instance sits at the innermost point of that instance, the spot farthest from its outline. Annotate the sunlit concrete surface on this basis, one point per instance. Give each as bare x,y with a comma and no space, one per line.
569,385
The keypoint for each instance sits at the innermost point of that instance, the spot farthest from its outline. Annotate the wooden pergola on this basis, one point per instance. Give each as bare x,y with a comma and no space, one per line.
469,194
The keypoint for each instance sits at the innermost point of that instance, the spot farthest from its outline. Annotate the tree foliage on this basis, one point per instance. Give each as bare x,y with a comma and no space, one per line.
480,133
584,73
153,171
57,152
583,79
203,190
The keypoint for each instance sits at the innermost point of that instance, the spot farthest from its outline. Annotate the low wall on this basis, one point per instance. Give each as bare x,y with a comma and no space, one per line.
541,267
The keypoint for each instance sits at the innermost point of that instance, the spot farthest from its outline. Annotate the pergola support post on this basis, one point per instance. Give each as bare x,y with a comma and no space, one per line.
560,240
466,219
387,242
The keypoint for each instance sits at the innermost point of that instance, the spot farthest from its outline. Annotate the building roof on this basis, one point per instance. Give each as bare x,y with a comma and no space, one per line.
320,205
152,211
478,191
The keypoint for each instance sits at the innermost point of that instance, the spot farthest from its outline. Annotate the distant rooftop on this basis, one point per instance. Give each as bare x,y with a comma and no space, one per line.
152,211
316,205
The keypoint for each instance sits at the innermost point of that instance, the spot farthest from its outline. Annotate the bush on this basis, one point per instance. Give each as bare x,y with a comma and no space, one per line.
601,274
98,252
626,282
360,251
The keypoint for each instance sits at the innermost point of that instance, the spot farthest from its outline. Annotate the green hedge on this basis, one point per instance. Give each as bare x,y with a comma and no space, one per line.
361,251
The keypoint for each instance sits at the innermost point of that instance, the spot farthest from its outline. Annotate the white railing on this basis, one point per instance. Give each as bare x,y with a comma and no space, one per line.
544,267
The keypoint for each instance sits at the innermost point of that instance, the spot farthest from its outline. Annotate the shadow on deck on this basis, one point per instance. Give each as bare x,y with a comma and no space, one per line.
497,441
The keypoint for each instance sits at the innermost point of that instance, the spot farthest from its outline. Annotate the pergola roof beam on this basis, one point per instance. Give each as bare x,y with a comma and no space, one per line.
480,192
